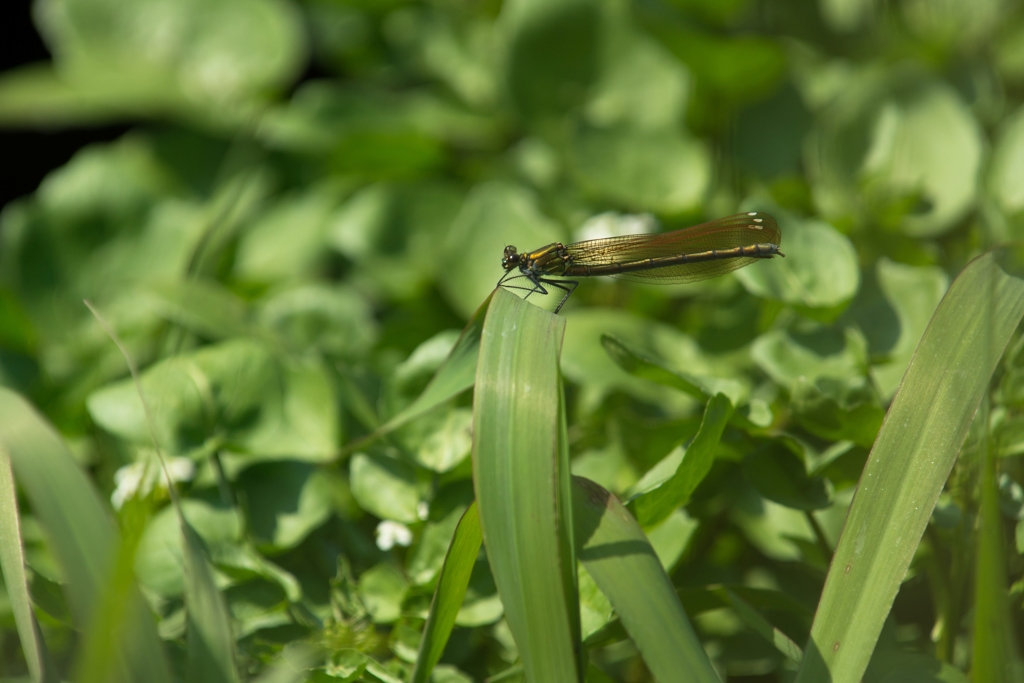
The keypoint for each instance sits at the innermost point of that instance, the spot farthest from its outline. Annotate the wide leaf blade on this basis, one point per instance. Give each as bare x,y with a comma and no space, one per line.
657,502
82,537
12,560
450,591
614,549
455,376
515,457
915,450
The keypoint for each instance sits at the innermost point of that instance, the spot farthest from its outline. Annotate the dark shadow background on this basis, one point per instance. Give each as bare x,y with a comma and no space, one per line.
28,155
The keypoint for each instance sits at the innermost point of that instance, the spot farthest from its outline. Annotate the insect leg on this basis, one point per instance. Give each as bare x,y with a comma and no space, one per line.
537,286
505,276
534,287
567,286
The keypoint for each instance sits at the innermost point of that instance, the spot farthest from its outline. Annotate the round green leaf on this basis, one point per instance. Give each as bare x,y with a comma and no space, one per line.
432,546
257,605
936,149
552,53
644,86
904,666
494,215
159,562
587,363
775,530
195,49
820,269
914,292
1006,178
188,395
394,234
285,501
838,409
821,353
779,475
671,537
236,390
333,319
953,23
385,487
904,146
382,590
449,443
482,604
289,240
661,171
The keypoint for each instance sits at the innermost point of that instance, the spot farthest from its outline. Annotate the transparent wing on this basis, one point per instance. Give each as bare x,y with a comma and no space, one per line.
740,230
687,272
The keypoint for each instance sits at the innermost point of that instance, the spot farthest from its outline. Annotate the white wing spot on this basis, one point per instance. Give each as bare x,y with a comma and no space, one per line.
752,213
759,220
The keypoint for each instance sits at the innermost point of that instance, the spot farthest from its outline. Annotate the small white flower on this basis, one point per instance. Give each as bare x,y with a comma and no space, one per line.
389,534
128,480
422,510
179,469
139,478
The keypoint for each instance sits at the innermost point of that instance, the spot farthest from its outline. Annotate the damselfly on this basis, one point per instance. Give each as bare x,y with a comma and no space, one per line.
695,253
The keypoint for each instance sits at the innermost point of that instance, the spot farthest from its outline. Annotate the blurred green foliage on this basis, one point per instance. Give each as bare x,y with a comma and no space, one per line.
314,199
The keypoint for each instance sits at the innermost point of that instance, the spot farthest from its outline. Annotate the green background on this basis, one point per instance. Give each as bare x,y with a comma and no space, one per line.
313,198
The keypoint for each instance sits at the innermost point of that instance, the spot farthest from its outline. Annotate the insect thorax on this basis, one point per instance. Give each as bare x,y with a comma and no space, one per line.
550,260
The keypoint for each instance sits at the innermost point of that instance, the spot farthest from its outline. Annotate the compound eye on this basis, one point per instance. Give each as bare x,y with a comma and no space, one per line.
511,259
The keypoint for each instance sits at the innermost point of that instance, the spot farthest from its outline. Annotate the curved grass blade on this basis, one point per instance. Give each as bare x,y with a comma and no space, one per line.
119,612
291,666
659,498
450,591
758,624
210,642
455,376
994,654
513,674
516,443
640,364
746,414
211,646
911,459
748,604
12,560
84,541
617,554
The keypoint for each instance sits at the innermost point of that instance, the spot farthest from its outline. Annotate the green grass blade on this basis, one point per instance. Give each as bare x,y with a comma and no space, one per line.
513,674
108,651
12,560
994,658
211,645
758,624
210,642
658,500
515,457
291,666
640,364
915,450
570,574
83,539
455,376
614,549
62,497
748,604
450,591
